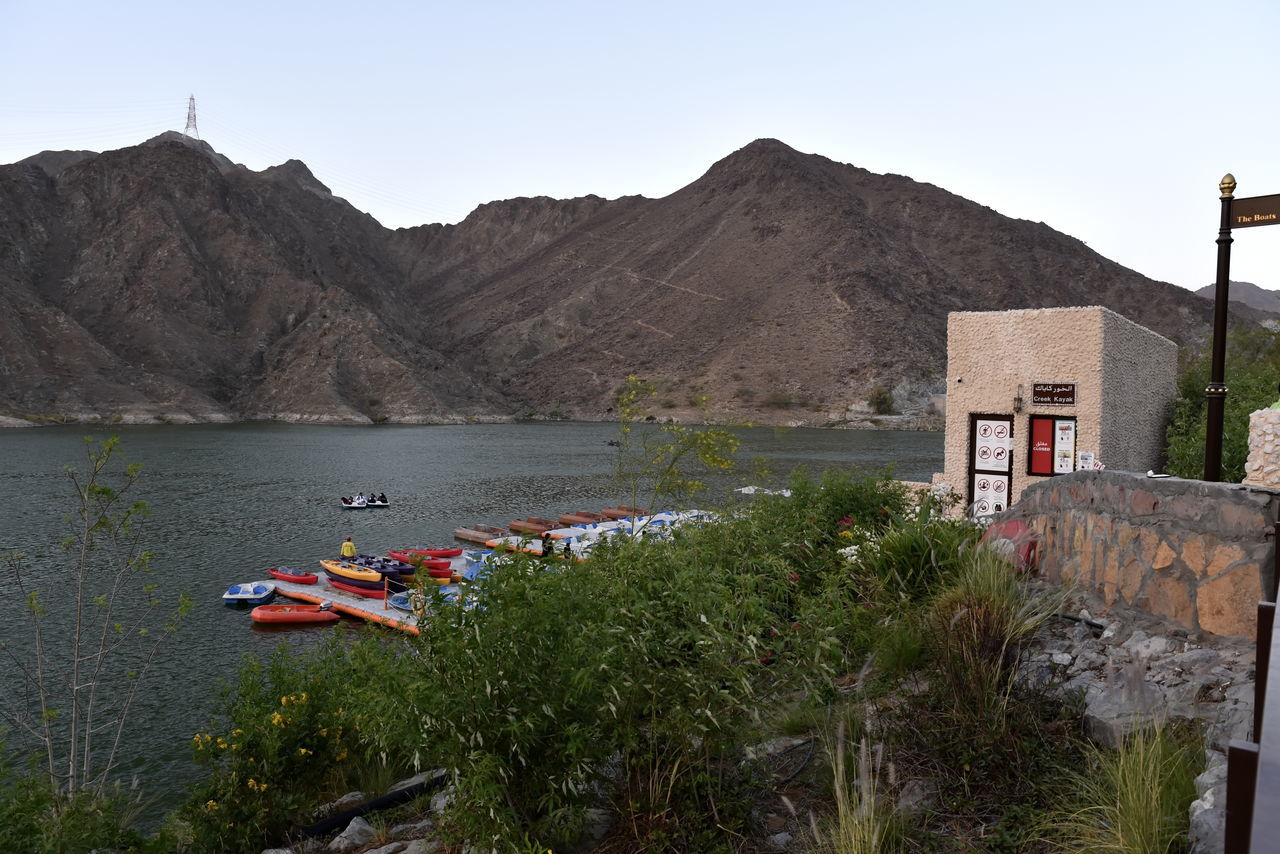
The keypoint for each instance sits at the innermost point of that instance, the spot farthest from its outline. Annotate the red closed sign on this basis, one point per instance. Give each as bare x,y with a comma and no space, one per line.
1041,461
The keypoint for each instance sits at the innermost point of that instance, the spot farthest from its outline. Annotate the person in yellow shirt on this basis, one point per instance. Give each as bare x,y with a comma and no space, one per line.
348,549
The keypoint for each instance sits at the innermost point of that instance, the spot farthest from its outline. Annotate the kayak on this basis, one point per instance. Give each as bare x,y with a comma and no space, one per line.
478,533
428,552
355,571
359,591
296,613
297,576
420,560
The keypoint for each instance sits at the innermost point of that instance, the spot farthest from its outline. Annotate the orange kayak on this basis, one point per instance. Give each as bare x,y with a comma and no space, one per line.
296,613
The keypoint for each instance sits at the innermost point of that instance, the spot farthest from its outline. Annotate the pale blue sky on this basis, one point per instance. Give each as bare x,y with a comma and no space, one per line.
1110,121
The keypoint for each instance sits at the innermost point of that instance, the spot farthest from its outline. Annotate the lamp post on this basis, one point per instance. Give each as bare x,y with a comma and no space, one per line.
1216,392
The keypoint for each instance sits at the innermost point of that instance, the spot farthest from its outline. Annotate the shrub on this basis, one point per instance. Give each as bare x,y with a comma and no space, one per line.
777,400
284,737
922,553
974,630
1252,371
881,401
1133,800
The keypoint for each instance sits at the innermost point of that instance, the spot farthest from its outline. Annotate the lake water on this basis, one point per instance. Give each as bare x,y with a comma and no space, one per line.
230,500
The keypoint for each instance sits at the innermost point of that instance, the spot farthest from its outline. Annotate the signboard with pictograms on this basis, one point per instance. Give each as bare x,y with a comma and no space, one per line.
990,463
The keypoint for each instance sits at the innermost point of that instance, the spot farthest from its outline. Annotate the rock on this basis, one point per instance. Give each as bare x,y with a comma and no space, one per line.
1121,707
774,746
358,834
418,779
413,829
277,851
389,848
423,846
440,801
345,802
780,840
1208,831
917,796
1144,646
1061,658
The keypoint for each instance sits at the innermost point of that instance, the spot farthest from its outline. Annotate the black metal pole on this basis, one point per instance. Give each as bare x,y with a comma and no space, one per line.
1216,392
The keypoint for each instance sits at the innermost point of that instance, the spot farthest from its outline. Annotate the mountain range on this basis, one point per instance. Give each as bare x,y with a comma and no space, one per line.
164,282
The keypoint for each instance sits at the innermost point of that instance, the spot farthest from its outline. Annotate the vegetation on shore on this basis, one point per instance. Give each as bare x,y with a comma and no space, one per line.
849,610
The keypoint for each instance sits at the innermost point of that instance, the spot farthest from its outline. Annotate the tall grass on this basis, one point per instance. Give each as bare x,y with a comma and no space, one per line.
1133,800
975,630
863,821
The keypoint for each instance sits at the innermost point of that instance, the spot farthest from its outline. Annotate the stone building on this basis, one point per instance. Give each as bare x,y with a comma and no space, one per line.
1036,393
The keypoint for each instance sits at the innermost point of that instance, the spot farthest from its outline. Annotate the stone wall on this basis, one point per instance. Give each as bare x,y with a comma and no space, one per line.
1263,467
1198,554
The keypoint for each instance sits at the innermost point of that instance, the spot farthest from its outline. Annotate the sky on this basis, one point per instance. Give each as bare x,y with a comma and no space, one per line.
1110,121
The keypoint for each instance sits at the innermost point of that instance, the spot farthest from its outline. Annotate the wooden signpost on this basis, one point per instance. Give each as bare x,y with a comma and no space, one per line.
1236,213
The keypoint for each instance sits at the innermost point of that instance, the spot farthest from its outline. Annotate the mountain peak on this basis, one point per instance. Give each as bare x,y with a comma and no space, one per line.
223,163
297,173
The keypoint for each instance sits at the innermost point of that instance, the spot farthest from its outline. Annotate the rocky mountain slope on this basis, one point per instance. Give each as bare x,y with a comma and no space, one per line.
164,281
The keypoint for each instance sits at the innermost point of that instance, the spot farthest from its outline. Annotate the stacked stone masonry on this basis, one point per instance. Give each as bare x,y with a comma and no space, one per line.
1263,467
1201,555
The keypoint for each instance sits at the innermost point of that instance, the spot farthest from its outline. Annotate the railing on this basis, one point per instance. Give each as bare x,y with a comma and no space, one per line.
1253,767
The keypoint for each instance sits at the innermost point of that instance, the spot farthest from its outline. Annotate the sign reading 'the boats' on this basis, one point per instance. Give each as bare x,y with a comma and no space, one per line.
1255,210
1053,394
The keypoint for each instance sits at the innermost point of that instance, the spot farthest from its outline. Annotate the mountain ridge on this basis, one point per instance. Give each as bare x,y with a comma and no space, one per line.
777,287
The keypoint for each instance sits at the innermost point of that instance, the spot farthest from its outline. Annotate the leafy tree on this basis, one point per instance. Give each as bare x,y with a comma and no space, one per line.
71,690
659,465
1252,372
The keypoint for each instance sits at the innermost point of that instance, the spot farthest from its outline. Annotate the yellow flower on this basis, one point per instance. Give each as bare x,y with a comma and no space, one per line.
211,806
284,701
341,756
222,745
301,698
277,719
324,732
302,751
848,535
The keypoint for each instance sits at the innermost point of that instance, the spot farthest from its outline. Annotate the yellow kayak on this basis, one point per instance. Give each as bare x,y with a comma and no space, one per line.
351,570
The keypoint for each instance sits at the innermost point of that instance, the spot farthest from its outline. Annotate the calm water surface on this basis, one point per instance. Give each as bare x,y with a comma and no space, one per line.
230,500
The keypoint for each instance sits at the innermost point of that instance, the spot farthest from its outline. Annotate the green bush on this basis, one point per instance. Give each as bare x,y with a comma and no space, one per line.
881,401
35,819
919,555
1251,372
284,737
1133,800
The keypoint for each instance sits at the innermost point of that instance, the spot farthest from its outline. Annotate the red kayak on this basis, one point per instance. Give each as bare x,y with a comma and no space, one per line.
296,613
297,576
380,593
430,552
412,558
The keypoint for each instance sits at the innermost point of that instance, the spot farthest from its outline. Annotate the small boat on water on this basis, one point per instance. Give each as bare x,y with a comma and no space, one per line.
249,593
379,593
412,602
623,512
383,564
296,613
535,525
379,501
289,573
354,572
354,503
420,560
478,533
452,552
581,517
